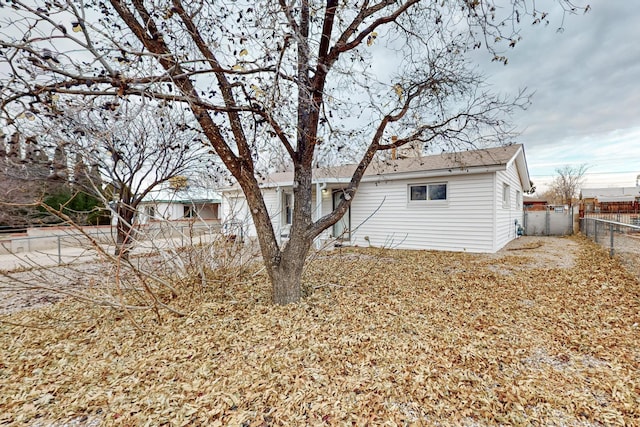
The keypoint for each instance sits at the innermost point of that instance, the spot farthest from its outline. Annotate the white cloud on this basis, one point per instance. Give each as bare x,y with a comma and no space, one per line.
586,107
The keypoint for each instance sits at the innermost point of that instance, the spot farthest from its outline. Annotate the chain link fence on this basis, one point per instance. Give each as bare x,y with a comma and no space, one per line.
62,245
552,221
621,239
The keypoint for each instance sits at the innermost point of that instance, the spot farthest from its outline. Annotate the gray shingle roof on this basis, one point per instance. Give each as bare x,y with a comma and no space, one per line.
612,194
497,156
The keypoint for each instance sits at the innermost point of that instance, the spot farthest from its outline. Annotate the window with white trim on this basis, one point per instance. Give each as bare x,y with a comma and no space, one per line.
425,192
287,208
518,200
506,196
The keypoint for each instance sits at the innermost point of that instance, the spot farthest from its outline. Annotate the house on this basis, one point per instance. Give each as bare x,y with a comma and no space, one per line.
610,200
182,203
534,204
464,201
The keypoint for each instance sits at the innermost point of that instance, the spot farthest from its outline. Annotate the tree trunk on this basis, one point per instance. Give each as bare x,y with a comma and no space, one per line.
284,265
286,272
124,230
286,280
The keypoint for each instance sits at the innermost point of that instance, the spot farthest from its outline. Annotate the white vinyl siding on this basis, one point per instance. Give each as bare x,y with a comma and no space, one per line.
273,201
166,210
470,218
507,212
464,222
236,218
235,211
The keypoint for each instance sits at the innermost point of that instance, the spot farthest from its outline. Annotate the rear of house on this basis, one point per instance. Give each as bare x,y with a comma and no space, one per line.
468,201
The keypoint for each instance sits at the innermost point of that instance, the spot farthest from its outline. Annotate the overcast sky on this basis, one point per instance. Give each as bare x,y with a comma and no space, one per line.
586,79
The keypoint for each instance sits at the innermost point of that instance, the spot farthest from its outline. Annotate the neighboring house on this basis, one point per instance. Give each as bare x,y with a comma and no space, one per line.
180,204
610,200
534,204
466,201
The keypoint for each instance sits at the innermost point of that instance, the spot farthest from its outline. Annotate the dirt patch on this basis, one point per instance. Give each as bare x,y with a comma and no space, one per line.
541,252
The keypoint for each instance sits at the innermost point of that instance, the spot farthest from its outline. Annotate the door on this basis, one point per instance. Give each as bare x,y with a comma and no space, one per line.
342,228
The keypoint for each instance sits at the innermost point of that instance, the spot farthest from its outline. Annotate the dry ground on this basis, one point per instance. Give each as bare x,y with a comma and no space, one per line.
546,333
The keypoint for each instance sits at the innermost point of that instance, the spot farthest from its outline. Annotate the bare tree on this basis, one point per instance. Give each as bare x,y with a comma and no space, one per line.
26,180
567,183
135,149
314,82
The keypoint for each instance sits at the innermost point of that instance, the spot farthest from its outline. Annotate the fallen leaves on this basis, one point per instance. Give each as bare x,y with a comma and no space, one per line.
387,338
371,38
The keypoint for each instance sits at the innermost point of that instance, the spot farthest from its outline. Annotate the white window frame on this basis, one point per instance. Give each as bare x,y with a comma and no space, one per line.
287,208
506,196
188,211
518,200
427,198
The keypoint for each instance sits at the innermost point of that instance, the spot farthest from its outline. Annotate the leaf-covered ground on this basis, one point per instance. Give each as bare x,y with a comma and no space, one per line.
387,338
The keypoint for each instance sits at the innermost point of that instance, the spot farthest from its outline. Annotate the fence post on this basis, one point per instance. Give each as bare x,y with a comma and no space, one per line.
547,221
595,231
572,230
611,232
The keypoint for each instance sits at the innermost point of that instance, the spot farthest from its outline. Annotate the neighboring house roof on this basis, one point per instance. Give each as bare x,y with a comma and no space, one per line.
612,194
533,200
455,163
186,195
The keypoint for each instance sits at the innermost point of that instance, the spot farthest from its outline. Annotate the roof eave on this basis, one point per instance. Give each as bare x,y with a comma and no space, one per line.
436,173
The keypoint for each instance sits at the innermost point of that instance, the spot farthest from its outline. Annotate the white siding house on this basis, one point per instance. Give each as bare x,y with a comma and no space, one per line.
183,204
466,201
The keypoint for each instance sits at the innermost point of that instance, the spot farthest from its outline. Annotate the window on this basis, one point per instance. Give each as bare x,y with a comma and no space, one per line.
188,211
436,191
506,196
151,212
518,200
287,208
